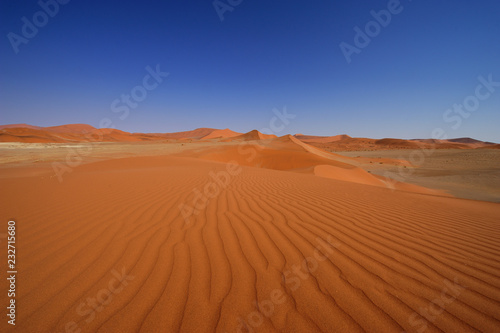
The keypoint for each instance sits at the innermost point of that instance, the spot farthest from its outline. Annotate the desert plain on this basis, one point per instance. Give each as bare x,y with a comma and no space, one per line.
218,231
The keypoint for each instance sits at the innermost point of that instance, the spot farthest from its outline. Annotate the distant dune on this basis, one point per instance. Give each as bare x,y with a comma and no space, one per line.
466,140
194,134
253,135
20,126
492,146
225,133
83,133
28,135
66,134
396,142
353,144
71,128
321,139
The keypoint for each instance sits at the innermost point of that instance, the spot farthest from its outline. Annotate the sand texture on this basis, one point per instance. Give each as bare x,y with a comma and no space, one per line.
279,237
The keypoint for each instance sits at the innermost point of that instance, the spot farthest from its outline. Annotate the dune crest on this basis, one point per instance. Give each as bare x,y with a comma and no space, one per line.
221,134
287,153
321,139
253,135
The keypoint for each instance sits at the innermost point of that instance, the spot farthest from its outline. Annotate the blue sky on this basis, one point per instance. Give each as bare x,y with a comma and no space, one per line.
263,55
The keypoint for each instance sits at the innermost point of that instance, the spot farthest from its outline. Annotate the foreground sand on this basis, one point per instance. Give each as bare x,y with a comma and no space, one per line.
265,251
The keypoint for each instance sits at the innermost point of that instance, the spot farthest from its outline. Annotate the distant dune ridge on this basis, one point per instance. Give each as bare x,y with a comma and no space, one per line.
20,126
353,144
225,133
83,132
253,135
321,139
194,134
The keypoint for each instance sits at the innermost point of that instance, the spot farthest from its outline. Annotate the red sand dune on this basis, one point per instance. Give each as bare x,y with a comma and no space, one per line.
194,134
290,154
67,135
225,133
70,128
268,251
467,140
19,126
397,142
81,133
321,139
252,135
459,143
28,135
352,144
493,146
353,175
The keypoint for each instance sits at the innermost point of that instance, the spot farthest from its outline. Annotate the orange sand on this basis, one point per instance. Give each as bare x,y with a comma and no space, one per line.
283,238
377,257
226,133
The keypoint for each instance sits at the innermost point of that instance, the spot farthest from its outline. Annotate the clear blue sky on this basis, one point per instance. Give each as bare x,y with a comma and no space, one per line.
264,55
